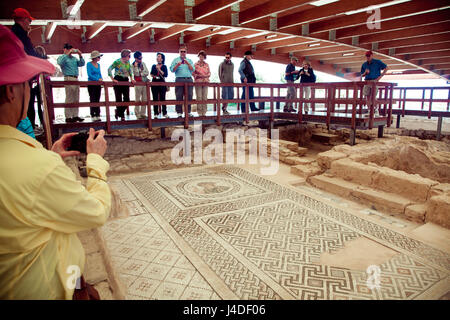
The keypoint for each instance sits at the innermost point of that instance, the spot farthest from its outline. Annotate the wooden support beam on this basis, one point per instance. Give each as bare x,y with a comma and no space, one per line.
208,32
95,29
432,61
49,30
429,39
170,32
394,24
232,36
305,48
434,54
268,8
441,27
259,39
76,6
144,7
419,49
326,51
282,43
328,10
389,12
135,30
209,7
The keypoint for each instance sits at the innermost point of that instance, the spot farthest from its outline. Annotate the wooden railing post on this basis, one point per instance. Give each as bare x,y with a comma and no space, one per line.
219,108
149,105
48,122
391,97
423,98
373,103
185,107
431,102
107,106
271,104
247,106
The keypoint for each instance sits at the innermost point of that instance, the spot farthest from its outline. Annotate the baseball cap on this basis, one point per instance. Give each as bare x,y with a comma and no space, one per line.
369,53
248,53
15,65
67,46
22,13
137,55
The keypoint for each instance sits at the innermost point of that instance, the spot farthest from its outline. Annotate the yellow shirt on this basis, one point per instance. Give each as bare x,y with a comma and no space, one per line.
42,207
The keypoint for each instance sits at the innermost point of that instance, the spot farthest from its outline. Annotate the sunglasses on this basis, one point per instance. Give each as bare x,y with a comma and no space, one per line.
228,58
182,50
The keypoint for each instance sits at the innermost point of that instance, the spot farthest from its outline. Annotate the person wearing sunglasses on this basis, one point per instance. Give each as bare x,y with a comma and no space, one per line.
226,70
122,72
183,69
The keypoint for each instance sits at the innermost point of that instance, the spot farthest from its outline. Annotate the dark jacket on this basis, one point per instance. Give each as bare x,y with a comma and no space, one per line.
308,79
23,36
246,69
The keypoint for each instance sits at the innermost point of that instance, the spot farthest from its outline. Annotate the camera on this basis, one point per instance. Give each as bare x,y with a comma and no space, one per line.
78,142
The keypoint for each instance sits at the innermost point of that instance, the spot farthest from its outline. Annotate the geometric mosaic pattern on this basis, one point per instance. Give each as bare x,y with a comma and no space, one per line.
251,238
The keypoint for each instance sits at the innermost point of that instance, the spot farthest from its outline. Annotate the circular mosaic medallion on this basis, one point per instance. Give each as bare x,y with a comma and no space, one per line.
205,187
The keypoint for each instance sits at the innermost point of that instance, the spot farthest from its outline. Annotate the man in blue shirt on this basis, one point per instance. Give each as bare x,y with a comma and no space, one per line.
183,69
371,70
290,76
69,67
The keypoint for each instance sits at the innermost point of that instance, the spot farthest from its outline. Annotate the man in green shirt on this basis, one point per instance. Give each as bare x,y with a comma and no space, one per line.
69,67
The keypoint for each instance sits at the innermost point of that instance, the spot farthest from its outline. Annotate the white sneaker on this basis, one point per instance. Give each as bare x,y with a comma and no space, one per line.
180,115
376,113
166,116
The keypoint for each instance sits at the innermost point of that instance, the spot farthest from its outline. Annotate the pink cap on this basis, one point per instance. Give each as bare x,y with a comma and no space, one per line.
15,65
22,13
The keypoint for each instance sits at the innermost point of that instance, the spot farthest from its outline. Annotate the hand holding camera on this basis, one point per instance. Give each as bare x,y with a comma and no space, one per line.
82,142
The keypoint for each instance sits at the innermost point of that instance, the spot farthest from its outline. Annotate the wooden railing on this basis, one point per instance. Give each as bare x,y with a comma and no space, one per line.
325,101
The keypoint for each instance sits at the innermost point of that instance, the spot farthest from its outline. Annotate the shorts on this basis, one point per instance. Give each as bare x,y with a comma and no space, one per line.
227,93
367,90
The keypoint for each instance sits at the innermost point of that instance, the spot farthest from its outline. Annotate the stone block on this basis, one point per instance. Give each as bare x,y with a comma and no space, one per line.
324,159
411,186
306,171
333,185
379,200
353,171
439,210
416,212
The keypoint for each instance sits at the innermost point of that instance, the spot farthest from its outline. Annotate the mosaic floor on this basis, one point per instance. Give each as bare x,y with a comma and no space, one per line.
225,233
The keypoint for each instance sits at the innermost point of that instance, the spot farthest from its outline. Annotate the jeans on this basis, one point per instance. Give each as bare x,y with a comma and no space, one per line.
159,94
119,92
251,95
94,96
179,93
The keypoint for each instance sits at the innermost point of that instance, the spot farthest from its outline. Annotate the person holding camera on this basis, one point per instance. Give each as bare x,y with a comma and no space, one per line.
69,67
306,75
183,69
42,205
140,73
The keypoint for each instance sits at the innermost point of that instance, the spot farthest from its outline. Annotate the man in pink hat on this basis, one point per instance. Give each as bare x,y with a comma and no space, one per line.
42,205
